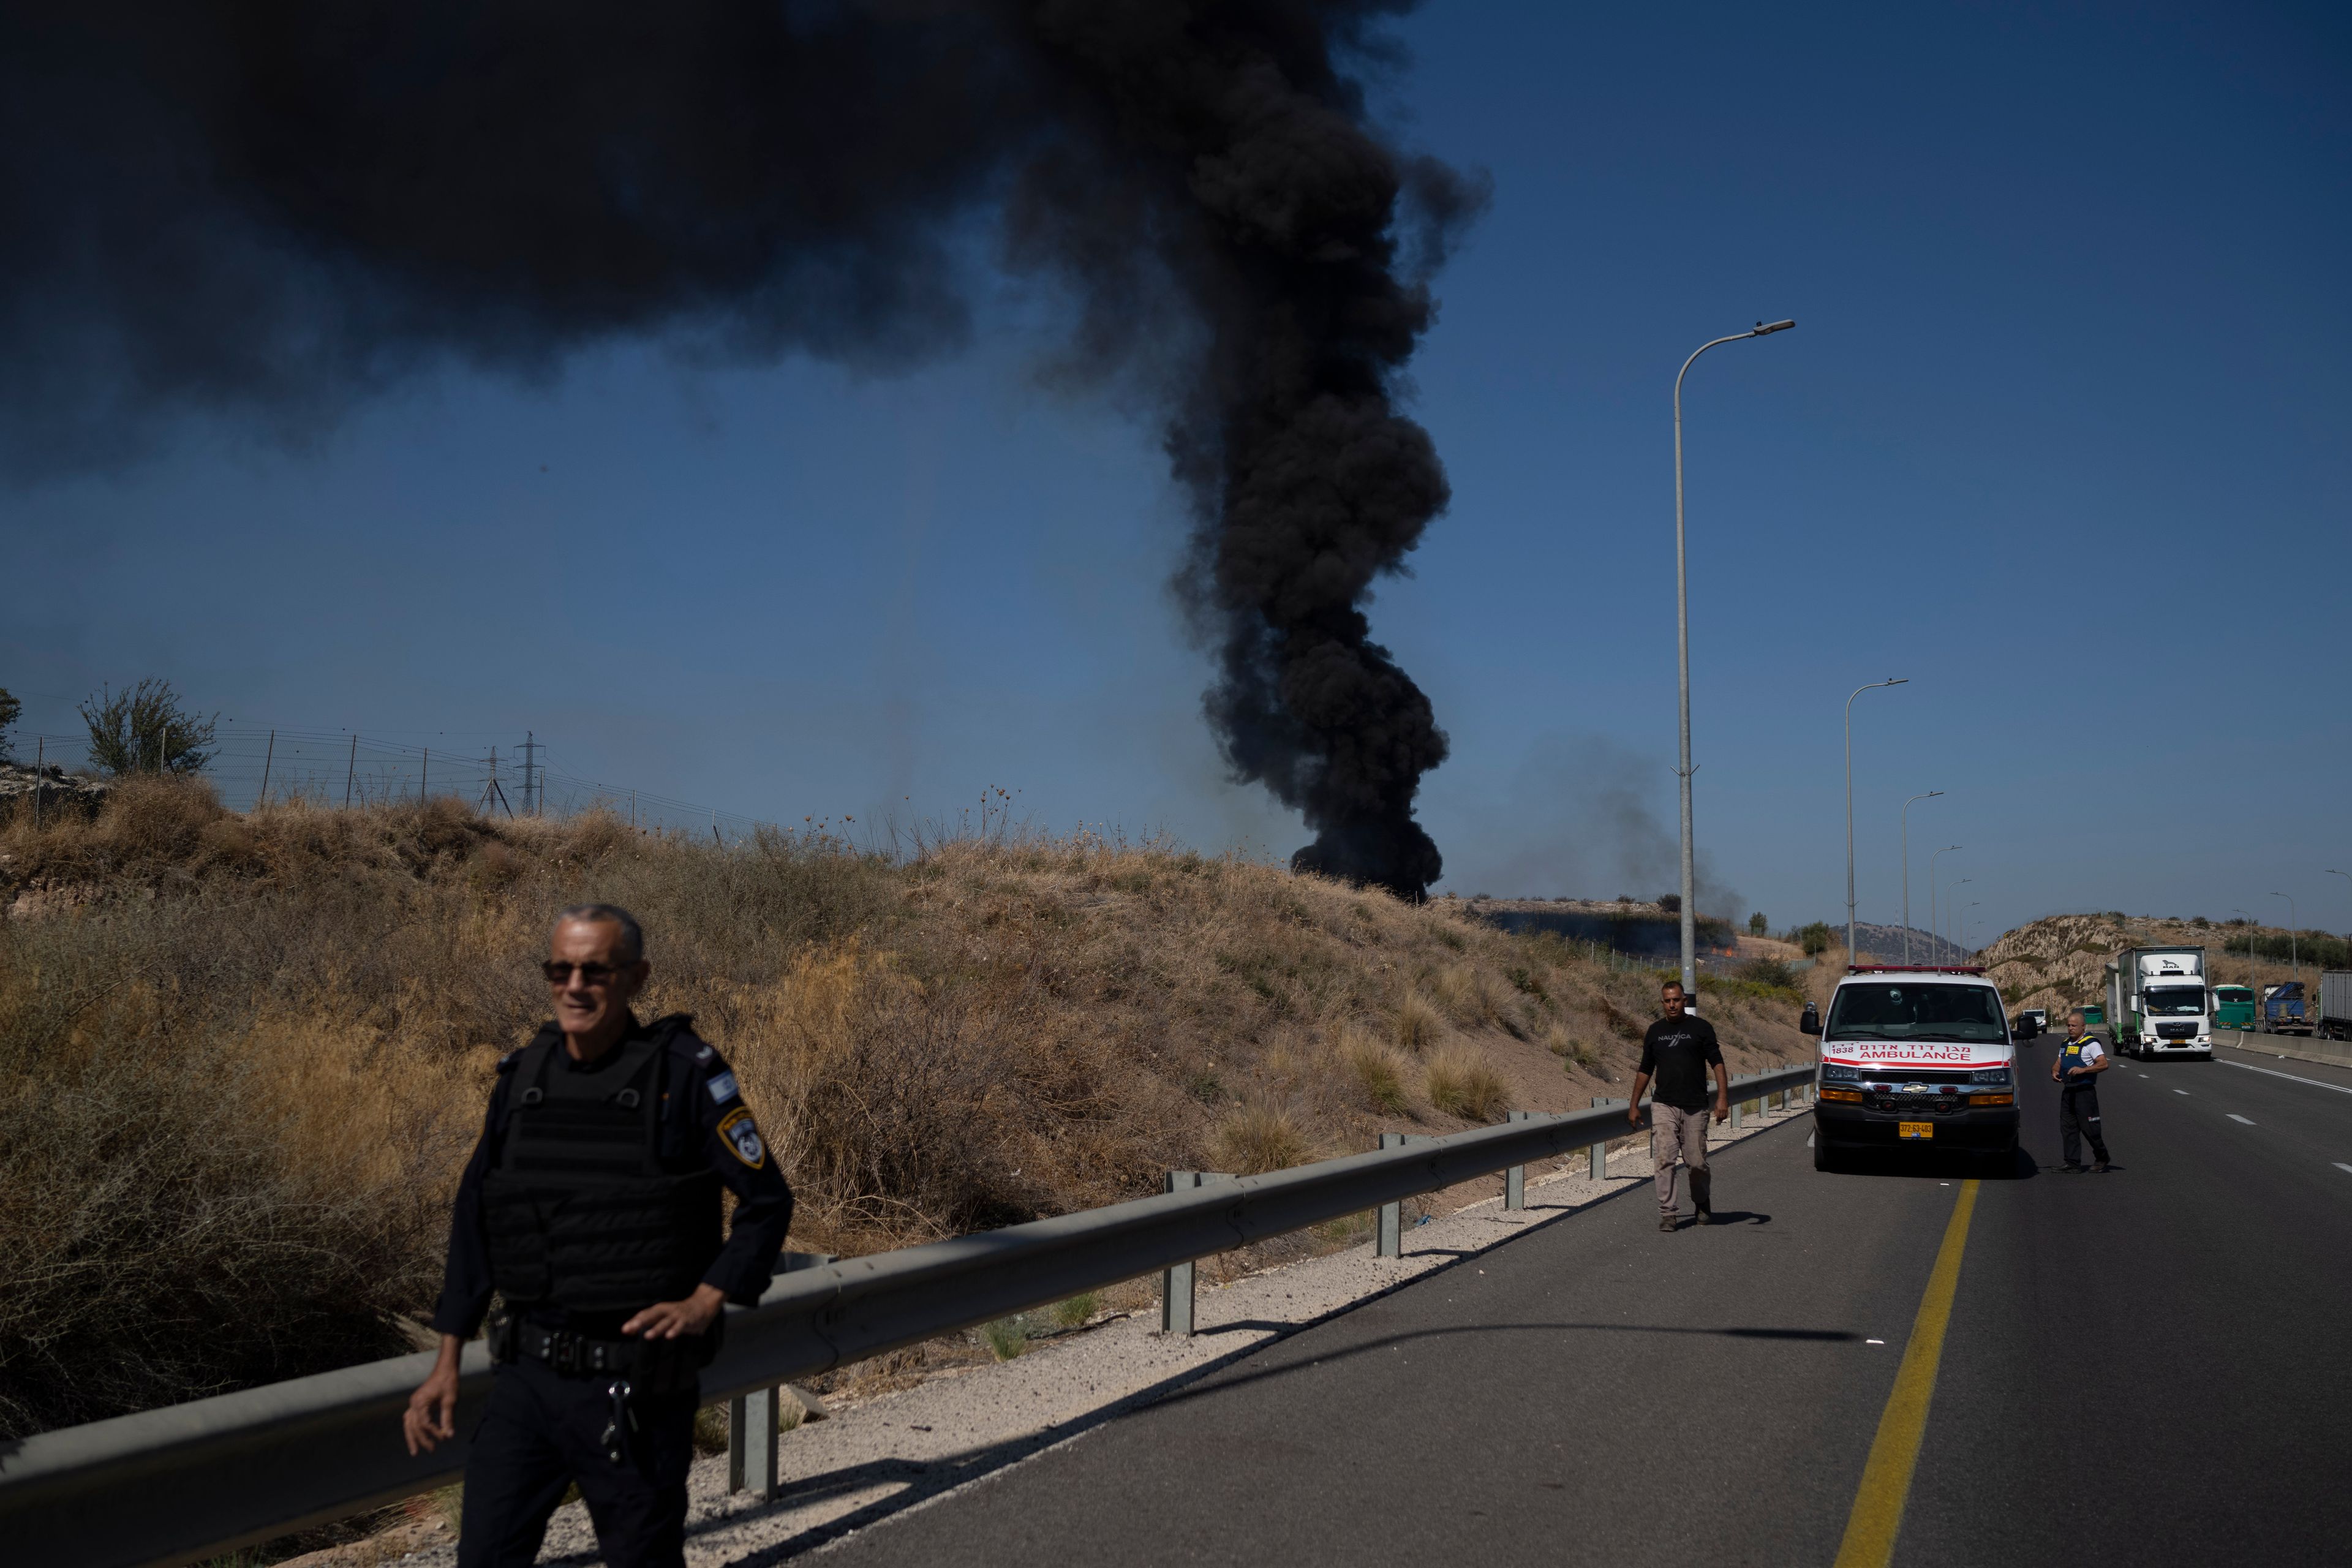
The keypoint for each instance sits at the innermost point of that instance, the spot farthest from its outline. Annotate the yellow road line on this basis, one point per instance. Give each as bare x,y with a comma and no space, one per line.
1877,1516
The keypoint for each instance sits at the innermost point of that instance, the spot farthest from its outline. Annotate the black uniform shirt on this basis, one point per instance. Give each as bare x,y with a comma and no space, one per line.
1676,1053
704,1125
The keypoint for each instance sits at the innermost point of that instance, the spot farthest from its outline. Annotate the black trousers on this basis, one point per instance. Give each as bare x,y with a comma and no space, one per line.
544,1431
2078,1118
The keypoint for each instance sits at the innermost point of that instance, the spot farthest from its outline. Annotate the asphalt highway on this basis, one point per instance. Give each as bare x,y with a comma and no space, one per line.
2145,1367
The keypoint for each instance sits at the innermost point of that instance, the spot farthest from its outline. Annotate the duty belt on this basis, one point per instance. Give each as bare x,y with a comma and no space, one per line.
568,1353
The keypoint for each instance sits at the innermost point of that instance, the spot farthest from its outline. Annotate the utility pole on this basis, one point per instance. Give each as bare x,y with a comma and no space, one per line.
1907,869
425,779
1852,954
2293,931
40,775
351,770
532,804
1935,930
491,791
267,757
1682,647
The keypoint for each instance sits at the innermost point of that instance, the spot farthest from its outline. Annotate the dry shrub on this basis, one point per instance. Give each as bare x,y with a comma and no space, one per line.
1573,1052
1416,1025
1461,1083
1259,1136
1377,1066
1469,993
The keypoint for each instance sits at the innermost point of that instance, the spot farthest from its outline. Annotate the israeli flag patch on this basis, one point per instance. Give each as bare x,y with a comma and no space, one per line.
722,1088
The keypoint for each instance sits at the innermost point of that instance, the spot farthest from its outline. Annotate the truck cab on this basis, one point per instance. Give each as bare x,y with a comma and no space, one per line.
2157,1003
2233,1007
1915,1056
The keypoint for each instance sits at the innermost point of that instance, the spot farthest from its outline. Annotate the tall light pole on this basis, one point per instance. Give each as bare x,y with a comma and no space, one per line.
2294,920
1951,893
1681,643
1907,869
2254,982
1973,903
1852,954
1933,929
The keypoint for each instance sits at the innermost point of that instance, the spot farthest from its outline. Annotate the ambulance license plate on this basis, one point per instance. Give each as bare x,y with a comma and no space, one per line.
1915,1130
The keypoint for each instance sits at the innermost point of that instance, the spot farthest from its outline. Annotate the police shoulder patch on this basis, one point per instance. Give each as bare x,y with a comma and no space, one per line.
722,1087
741,1135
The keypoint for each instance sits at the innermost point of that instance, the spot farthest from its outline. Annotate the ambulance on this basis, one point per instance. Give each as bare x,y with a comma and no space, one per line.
1915,1058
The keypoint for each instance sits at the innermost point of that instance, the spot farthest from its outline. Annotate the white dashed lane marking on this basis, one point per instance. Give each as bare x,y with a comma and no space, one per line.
2342,1166
2180,1091
2235,1116
2269,1072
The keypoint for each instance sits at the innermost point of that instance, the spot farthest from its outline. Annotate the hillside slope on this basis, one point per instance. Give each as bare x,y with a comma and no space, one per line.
248,1054
2060,961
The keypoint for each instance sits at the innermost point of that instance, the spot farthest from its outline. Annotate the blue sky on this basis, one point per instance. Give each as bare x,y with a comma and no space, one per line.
2059,437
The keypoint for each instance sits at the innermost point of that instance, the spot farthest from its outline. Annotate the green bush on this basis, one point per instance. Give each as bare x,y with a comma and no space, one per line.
1815,939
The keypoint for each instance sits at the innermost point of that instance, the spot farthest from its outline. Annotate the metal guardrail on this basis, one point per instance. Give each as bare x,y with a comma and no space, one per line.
171,1486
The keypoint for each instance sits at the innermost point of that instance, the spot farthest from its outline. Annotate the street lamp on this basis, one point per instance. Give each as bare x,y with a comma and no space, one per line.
1854,954
1907,869
1952,893
1973,903
2292,920
1682,642
1933,929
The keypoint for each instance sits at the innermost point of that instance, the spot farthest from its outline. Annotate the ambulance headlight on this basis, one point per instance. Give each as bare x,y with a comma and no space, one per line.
1832,1072
1990,1075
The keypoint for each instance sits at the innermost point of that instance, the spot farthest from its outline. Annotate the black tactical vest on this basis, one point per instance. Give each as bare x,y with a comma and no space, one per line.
580,1211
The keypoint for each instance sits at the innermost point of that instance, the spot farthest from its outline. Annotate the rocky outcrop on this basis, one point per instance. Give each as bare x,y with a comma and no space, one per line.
48,789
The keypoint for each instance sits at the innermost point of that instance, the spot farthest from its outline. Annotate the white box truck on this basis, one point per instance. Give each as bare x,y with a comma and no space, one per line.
2335,1005
2157,1004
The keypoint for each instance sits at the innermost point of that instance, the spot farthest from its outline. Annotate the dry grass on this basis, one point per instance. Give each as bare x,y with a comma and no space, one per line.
1416,1025
1378,1067
1463,1083
1258,1136
242,1058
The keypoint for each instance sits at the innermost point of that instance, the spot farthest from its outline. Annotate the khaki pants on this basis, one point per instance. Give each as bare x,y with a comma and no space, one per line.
1673,1130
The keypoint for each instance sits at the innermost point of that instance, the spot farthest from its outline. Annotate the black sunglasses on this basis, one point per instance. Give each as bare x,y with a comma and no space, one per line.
559,972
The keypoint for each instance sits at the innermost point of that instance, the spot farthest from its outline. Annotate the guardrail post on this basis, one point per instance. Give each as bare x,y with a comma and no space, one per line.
1600,1149
751,1442
1177,1282
751,1417
1514,1179
1738,1105
1390,1241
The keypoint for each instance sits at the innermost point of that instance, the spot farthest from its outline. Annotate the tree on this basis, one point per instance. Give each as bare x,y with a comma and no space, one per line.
1671,902
1757,924
144,730
9,709
1815,939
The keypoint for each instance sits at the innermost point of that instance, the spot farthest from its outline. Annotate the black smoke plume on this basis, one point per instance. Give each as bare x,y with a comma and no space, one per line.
268,210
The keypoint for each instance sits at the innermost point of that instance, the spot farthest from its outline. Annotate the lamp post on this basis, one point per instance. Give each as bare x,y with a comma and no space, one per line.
1907,869
1949,894
1973,903
2294,956
1682,645
2253,980
1933,929
1852,954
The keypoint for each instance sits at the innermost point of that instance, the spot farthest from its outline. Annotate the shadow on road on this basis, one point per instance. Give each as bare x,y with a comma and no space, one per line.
1946,1166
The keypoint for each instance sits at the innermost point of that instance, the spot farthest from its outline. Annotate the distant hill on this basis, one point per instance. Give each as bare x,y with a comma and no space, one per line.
1885,944
2060,961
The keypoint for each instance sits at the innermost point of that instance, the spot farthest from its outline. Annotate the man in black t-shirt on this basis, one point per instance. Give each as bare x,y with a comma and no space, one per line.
1678,1052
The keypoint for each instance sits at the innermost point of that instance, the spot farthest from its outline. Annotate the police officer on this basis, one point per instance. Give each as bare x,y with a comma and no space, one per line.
592,1206
2076,1072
